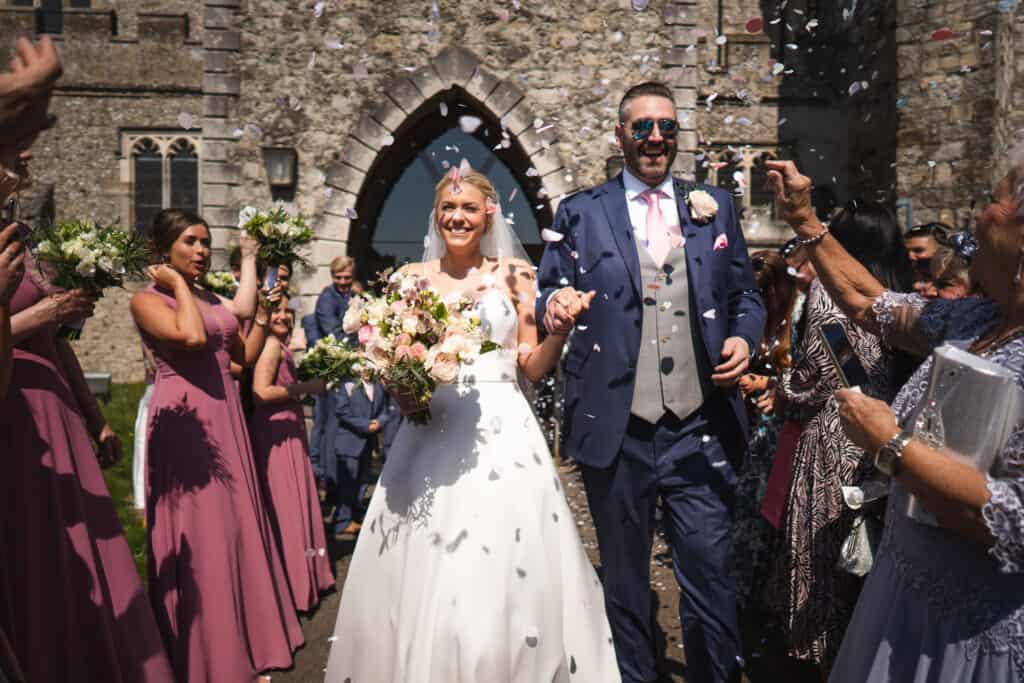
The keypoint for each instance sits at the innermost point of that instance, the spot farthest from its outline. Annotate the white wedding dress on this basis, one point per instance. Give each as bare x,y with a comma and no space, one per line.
469,568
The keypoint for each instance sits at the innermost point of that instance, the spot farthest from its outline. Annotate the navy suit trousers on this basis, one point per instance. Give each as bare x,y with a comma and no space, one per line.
684,463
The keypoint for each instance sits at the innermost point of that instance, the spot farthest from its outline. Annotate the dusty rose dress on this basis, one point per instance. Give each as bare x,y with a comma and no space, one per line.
71,601
281,450
215,579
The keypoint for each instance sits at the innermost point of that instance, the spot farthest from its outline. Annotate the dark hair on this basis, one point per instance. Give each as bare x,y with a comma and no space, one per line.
168,226
235,258
778,290
938,231
869,232
648,88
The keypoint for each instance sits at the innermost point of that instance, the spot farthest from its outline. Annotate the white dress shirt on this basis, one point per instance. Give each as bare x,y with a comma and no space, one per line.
638,205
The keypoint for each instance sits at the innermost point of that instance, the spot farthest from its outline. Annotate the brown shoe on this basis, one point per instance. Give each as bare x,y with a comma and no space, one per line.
352,528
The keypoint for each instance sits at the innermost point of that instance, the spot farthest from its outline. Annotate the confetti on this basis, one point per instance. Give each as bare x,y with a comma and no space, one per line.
551,236
351,214
444,109
755,25
387,140
777,68
640,5
854,88
332,43
721,40
186,120
318,9
532,172
812,24
944,33
470,124
597,348
902,102
710,314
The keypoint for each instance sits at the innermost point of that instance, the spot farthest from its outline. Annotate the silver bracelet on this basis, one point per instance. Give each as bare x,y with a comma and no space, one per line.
808,241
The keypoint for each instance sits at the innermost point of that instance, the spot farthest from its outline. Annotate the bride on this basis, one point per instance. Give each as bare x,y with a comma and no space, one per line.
469,567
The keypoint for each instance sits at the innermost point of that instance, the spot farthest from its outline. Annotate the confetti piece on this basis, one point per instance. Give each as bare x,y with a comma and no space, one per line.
237,132
351,214
186,120
854,88
444,109
312,61
710,314
944,33
812,24
470,124
902,102
640,5
551,236
318,9
331,639
721,40
532,172
387,140
711,99
597,348
754,25
777,68
332,43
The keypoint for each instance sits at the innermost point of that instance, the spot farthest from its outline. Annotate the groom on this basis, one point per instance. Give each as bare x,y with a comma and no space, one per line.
651,406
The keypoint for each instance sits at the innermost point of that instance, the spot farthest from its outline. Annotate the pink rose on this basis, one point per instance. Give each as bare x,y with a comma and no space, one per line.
403,340
419,351
366,334
444,367
403,352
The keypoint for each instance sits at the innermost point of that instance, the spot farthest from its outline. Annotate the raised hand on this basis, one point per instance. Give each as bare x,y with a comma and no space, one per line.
248,245
25,92
164,276
12,263
792,196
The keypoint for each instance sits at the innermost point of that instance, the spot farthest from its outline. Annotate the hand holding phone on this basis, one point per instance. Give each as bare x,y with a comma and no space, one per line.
840,350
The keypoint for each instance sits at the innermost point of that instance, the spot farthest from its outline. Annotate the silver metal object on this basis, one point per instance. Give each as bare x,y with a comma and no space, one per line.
969,411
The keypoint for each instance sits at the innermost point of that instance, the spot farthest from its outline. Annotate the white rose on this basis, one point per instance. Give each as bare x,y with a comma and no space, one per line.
245,215
106,263
702,205
45,247
86,268
376,311
353,319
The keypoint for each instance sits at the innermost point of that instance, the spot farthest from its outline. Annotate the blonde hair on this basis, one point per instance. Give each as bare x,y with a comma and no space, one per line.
477,180
340,263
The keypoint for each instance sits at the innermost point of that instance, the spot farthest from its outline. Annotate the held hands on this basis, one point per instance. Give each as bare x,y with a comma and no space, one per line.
12,263
565,306
751,384
374,426
735,361
793,196
868,422
108,449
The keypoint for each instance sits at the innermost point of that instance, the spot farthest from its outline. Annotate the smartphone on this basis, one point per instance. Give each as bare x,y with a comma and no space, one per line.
848,366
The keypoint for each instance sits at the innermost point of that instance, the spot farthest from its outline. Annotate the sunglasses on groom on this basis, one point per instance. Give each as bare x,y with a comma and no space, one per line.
641,129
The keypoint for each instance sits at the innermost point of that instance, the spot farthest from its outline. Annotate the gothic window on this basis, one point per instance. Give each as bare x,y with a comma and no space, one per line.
163,170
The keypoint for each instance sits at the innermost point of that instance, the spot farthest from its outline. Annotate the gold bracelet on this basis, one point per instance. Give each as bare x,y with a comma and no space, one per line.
261,323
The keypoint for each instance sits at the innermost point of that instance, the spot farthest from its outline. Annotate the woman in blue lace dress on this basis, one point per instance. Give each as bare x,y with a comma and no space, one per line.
943,603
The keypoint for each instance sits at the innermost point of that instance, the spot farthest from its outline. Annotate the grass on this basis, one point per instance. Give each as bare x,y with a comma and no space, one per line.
120,413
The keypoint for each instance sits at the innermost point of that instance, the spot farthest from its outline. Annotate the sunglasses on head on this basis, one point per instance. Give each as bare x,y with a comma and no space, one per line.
936,230
642,128
963,243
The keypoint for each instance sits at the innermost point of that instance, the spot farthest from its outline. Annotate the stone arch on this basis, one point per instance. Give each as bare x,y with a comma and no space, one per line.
411,101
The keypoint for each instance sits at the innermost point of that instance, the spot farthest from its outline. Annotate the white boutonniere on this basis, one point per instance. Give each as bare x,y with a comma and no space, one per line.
703,207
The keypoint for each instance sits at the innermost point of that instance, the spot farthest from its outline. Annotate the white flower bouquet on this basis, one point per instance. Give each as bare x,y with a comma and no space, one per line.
219,282
412,340
81,254
331,360
281,235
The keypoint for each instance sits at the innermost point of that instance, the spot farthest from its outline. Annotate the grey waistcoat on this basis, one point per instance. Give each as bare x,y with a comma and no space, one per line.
667,371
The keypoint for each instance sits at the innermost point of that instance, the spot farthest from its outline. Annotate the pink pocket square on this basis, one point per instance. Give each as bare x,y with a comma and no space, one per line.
721,242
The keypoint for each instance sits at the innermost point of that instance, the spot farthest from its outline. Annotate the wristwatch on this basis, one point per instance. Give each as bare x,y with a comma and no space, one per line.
887,457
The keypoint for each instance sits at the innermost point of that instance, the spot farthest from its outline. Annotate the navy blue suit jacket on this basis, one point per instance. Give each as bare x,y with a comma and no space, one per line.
598,252
311,329
348,434
330,310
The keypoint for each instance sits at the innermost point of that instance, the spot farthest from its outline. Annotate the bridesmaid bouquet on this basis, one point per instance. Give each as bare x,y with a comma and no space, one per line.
81,254
331,360
219,282
281,235
412,340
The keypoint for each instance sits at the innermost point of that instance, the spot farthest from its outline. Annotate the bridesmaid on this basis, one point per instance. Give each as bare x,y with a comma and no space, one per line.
280,447
216,582
71,602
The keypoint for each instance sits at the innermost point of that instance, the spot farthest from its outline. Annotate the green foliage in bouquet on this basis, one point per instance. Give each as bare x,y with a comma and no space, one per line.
331,360
219,282
81,254
414,388
279,233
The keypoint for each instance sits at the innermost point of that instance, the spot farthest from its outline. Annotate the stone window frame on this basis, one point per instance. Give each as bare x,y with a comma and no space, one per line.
744,157
167,142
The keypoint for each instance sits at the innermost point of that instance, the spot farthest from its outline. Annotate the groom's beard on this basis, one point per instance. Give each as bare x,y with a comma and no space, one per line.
651,161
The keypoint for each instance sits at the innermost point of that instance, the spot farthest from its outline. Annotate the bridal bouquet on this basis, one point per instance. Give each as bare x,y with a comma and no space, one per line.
81,254
412,339
331,360
281,235
219,282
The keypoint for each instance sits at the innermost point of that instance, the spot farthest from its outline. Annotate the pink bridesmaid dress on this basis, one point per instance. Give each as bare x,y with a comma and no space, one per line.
71,601
282,459
215,579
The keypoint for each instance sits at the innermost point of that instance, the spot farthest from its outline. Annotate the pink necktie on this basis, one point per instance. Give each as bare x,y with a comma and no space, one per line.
659,242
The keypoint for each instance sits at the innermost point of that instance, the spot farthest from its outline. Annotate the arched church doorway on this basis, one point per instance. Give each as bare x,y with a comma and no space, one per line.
395,201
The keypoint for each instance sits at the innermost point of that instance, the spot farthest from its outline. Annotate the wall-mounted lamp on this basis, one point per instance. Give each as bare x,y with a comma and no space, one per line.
282,166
